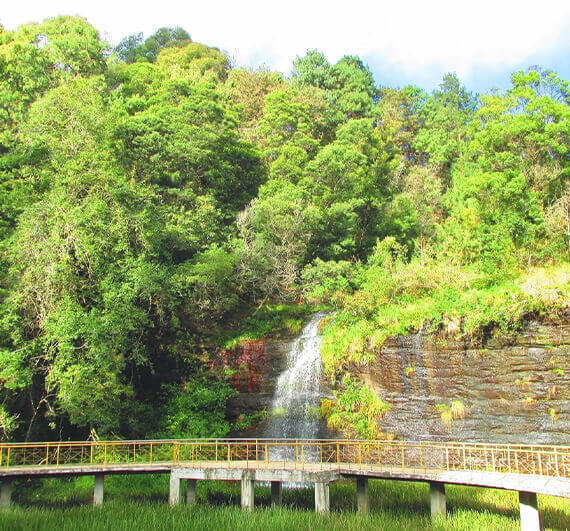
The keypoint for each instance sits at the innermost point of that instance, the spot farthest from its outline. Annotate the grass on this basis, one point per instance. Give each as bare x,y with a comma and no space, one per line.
453,303
140,502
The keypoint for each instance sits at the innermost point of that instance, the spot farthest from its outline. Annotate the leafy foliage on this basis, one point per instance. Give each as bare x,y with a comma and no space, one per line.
156,203
133,49
356,410
196,410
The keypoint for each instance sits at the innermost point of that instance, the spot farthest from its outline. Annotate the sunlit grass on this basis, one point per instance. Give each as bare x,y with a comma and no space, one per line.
140,502
463,303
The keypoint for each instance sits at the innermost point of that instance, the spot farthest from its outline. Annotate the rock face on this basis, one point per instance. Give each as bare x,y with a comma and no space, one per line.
515,391
263,370
502,391
284,378
245,365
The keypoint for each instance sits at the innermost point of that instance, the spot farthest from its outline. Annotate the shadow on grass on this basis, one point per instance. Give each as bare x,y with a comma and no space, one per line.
390,497
66,493
554,511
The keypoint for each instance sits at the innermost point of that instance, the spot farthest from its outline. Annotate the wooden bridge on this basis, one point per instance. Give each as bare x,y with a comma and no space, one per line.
530,470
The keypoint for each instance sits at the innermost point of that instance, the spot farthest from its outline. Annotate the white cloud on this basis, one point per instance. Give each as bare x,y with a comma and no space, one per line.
452,34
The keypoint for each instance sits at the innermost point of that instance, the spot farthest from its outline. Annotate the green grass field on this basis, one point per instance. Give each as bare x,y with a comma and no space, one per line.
140,502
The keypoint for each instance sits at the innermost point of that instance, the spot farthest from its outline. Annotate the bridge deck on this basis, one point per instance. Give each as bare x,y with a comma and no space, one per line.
530,470
288,471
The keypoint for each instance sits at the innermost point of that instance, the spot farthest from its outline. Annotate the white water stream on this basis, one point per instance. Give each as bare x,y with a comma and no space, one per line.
298,392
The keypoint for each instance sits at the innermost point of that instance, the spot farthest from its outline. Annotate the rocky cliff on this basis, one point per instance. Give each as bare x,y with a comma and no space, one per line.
513,389
503,390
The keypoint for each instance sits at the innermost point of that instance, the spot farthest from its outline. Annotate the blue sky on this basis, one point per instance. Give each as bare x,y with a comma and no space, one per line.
479,77
402,42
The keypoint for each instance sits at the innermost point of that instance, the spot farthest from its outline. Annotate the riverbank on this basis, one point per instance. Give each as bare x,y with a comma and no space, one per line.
141,503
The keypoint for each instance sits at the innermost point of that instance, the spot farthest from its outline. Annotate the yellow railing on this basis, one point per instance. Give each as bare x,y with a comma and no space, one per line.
405,456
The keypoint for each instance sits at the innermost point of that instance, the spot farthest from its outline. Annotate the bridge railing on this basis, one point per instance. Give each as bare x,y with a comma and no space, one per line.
407,456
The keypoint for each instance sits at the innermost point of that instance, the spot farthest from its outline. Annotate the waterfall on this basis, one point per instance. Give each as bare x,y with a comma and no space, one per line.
298,391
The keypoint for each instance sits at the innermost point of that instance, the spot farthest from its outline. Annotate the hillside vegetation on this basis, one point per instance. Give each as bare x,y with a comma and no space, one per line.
157,203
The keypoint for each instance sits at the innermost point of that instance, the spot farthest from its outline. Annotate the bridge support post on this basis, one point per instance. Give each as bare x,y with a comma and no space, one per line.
322,499
530,517
362,498
191,491
437,499
98,489
276,493
174,494
6,493
247,491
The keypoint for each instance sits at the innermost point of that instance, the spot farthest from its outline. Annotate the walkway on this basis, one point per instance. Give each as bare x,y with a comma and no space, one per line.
530,470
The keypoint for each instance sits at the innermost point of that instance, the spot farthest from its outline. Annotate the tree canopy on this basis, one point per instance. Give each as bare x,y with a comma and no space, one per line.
152,193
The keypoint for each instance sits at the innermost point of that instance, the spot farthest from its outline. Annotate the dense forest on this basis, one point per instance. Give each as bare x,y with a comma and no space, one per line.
158,203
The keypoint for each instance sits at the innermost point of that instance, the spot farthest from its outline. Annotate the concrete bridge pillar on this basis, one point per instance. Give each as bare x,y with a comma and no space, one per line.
530,517
276,493
247,491
98,489
322,498
191,491
174,494
362,498
6,493
437,499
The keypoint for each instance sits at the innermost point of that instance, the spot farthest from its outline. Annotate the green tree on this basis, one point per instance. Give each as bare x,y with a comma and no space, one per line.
246,90
132,49
294,117
129,50
526,130
185,142
195,62
400,120
38,56
445,118
348,85
275,231
164,38
516,165
495,216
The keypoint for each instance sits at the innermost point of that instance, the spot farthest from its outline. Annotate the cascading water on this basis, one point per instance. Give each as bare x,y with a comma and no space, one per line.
298,391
